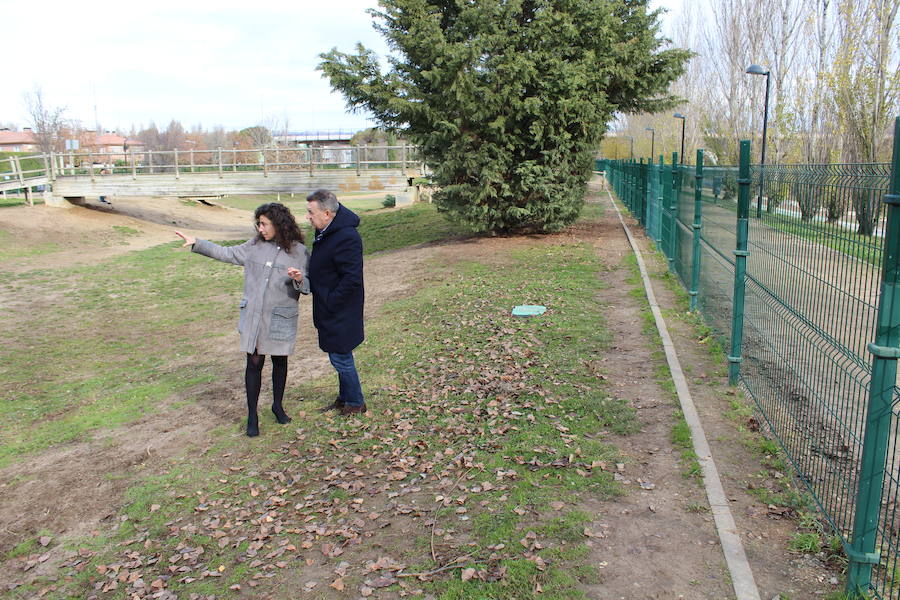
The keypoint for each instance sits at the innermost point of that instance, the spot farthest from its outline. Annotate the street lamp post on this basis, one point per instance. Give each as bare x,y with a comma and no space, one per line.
758,70
683,119
631,154
652,141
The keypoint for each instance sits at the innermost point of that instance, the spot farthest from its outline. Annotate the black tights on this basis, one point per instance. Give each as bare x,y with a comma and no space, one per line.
253,382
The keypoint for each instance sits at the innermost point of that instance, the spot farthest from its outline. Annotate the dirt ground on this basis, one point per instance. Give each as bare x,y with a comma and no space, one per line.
74,489
649,543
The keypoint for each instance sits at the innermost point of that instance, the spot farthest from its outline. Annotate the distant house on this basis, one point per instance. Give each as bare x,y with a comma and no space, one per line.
18,141
111,145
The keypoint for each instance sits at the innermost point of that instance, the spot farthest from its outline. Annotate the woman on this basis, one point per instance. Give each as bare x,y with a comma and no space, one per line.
275,264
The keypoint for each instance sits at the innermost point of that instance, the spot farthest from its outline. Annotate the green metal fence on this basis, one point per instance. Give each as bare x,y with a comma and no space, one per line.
790,277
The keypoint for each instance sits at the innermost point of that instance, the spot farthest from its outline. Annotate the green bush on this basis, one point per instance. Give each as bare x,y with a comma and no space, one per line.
390,201
776,194
729,189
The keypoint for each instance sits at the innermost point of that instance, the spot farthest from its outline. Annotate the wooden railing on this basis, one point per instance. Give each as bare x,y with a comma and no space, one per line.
33,170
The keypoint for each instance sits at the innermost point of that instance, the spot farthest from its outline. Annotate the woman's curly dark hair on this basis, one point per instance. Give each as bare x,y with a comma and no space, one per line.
286,230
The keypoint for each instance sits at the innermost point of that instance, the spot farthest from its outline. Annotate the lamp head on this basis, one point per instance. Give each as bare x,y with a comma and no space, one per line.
757,70
679,116
648,129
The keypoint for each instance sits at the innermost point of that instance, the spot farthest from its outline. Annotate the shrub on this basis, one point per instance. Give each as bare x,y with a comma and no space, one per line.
390,201
729,188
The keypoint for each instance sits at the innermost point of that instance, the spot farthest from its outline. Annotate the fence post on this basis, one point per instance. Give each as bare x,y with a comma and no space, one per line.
177,174
17,167
740,265
632,186
695,254
885,351
657,202
672,208
219,156
20,173
643,186
28,193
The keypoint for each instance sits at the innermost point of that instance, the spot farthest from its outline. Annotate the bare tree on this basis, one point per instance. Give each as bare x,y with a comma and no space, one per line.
692,86
218,138
865,82
173,137
47,123
259,136
734,41
808,118
782,38
150,137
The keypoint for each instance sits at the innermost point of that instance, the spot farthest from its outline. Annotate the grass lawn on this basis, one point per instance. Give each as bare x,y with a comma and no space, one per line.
356,201
10,200
484,430
867,248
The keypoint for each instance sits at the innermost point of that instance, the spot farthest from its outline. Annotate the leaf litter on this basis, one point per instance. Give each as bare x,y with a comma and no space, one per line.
438,453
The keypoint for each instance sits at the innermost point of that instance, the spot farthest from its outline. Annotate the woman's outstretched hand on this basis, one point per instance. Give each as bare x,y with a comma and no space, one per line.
295,274
188,240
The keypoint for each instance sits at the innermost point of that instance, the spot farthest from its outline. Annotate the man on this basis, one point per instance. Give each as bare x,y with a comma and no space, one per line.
336,282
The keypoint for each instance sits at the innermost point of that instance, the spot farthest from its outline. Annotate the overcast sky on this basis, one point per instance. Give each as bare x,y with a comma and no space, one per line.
207,62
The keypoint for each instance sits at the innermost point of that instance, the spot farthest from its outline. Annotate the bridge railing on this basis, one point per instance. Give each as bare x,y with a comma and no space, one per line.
23,167
39,168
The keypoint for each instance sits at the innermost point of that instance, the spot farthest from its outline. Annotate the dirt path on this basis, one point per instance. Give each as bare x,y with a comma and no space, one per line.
652,523
661,542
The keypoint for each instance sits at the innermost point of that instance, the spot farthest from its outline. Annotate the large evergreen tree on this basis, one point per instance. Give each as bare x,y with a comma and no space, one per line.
509,99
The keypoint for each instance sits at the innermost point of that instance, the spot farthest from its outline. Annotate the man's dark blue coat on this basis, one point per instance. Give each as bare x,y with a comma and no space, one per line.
336,282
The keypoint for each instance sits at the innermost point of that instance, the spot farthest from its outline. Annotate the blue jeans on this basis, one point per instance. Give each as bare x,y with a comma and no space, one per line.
349,389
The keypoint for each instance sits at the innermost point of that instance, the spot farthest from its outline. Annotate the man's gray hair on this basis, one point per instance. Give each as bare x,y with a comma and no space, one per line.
326,200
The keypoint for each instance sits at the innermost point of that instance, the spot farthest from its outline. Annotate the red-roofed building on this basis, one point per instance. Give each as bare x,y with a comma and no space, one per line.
111,144
17,141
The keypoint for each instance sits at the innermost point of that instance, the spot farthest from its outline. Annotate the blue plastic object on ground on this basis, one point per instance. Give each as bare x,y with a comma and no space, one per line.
528,310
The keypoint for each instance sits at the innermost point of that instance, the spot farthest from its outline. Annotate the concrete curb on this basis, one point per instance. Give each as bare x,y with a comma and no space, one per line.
741,574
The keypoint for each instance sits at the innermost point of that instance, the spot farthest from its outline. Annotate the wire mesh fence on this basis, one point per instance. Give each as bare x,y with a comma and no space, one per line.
810,282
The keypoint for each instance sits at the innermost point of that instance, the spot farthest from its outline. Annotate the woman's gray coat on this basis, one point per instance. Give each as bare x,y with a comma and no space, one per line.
268,320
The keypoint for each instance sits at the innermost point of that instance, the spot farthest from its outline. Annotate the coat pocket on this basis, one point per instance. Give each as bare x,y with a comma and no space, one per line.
242,320
283,326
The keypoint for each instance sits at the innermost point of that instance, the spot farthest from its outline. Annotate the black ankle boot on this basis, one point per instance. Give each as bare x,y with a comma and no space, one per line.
280,415
252,425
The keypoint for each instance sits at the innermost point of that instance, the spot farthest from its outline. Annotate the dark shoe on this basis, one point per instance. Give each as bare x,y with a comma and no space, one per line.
336,405
280,415
352,409
252,427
